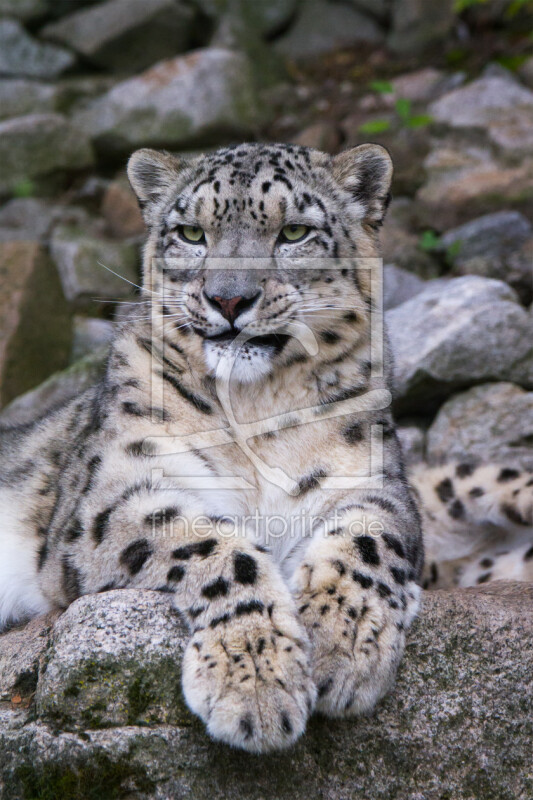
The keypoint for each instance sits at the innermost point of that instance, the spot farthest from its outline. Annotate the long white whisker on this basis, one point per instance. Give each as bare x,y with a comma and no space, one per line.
125,279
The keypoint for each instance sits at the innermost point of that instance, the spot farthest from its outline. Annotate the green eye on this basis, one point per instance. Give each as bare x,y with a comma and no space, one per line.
294,233
192,233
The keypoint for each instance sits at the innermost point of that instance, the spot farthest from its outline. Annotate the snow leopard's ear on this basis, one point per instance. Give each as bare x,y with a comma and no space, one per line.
366,173
152,174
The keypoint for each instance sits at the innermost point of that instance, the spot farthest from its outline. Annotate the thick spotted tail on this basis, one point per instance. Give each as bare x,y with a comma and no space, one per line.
477,521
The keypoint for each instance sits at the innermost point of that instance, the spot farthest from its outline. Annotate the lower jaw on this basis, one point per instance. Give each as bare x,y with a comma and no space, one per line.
275,342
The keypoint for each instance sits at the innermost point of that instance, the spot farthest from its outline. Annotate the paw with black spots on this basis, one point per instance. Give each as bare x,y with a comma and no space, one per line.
248,678
356,625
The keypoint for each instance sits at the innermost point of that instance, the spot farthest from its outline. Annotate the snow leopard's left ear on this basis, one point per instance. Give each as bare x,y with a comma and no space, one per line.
366,173
152,175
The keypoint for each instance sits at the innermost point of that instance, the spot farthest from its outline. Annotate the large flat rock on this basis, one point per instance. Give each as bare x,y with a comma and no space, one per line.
204,96
457,725
457,333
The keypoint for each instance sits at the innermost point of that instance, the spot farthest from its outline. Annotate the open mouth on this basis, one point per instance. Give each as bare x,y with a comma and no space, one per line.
277,341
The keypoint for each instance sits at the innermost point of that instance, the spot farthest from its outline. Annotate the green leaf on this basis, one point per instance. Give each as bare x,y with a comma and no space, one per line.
24,188
419,120
453,250
375,126
403,108
382,87
512,62
464,5
429,241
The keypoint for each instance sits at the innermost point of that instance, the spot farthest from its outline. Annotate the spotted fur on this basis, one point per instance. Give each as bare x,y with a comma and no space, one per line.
102,494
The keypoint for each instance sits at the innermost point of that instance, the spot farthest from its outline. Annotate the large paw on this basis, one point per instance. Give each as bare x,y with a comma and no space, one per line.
356,625
249,679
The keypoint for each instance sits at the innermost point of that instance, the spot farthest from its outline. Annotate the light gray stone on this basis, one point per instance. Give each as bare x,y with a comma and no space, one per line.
90,335
82,255
125,35
417,24
493,421
322,27
115,661
36,145
457,721
204,96
480,103
21,55
24,10
399,285
455,334
493,235
264,17
497,246
58,389
495,103
20,652
19,96
27,219
466,179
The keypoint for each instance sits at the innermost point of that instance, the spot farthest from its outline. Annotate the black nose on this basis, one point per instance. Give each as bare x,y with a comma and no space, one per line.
231,307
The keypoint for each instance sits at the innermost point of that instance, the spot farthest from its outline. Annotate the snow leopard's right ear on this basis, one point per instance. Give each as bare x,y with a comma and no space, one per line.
152,175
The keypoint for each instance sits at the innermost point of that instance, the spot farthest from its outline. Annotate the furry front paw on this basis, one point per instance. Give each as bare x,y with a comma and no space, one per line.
249,680
356,625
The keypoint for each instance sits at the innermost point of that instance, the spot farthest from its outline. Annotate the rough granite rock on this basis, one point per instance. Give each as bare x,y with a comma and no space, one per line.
204,96
24,10
266,17
19,96
21,55
322,27
35,146
399,285
494,246
417,24
114,663
125,35
457,725
59,388
492,421
82,255
455,334
34,319
465,179
89,336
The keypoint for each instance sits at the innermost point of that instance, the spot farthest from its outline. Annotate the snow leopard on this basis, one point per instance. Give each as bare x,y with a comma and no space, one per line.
239,454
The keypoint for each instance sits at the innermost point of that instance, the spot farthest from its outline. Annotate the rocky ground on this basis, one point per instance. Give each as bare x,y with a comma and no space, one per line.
448,88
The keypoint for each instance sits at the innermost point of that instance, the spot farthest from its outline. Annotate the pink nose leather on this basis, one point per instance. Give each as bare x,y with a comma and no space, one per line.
228,306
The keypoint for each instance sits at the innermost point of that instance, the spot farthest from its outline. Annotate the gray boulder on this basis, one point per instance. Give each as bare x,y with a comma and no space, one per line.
56,390
115,662
494,246
491,236
264,17
204,96
455,334
417,24
27,219
21,55
399,285
493,421
125,35
481,102
19,96
24,10
495,103
459,716
82,255
90,335
322,27
35,146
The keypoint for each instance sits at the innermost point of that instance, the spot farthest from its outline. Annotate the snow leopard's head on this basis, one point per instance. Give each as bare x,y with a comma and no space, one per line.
254,240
